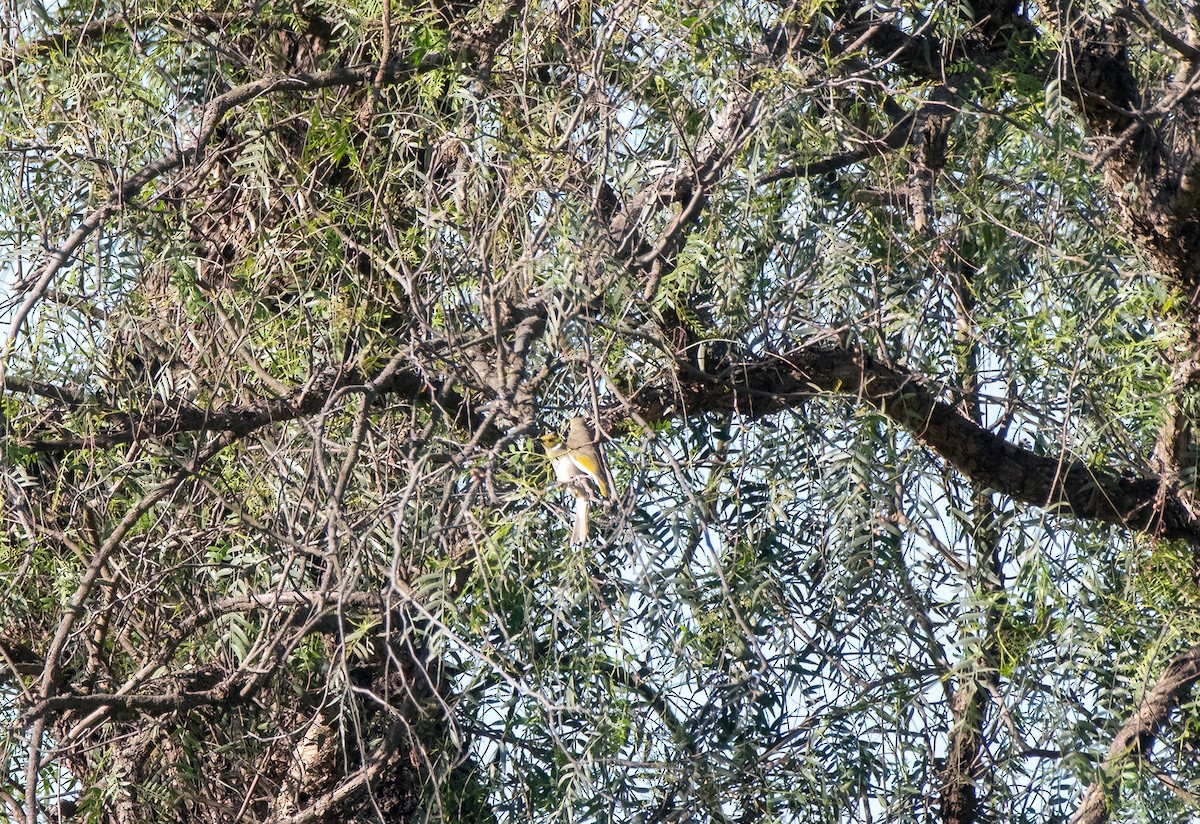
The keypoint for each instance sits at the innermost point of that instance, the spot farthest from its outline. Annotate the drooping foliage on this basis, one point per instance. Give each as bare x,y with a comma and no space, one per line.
886,315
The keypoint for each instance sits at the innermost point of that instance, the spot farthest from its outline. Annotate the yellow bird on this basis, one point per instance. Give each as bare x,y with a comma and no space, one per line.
579,466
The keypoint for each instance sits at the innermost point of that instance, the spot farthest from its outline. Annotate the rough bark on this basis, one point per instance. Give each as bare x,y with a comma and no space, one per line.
1056,481
1135,737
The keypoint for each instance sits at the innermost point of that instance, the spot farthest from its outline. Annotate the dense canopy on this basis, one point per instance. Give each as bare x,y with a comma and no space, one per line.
887,315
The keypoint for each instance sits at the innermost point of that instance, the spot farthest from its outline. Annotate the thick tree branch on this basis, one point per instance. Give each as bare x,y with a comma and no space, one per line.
61,394
1062,483
1147,150
1137,734
1138,11
162,420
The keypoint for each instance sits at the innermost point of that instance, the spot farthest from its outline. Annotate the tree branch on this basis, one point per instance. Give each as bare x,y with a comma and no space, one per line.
95,30
690,184
61,394
1062,483
161,420
1137,734
210,116
1151,171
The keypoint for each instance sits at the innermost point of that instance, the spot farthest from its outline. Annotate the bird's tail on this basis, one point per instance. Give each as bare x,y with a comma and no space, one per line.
582,524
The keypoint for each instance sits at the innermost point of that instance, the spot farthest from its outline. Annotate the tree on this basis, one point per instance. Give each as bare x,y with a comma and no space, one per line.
889,317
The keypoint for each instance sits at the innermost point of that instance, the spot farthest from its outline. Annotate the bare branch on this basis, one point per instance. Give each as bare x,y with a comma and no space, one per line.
210,116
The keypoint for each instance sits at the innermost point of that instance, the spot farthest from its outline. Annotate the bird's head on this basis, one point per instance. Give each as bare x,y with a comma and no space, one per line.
552,443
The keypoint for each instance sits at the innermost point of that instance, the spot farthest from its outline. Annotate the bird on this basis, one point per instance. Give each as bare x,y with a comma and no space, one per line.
579,466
